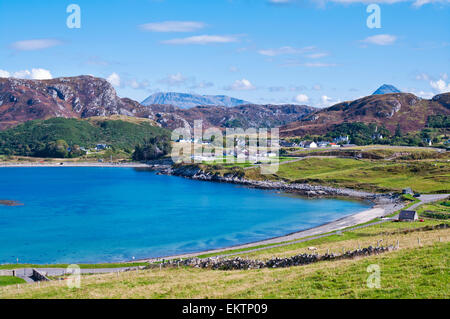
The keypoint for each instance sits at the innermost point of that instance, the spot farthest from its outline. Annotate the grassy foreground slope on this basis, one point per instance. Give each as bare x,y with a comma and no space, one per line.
10,280
410,273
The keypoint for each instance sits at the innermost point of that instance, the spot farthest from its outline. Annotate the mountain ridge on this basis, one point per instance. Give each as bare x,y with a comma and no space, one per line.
188,100
404,109
84,96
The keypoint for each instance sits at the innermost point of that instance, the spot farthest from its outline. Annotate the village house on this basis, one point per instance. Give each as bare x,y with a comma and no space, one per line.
408,216
100,147
310,145
342,139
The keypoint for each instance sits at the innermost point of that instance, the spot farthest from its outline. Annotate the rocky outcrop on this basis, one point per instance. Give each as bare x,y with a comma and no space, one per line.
73,97
194,171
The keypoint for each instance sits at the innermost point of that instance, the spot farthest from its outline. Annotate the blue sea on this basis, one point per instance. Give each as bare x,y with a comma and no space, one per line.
93,214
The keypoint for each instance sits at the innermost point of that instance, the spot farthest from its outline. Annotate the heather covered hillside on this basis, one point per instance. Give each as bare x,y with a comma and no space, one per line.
406,110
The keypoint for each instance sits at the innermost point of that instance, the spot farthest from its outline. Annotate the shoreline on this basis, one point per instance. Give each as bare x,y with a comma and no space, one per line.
362,217
384,204
76,164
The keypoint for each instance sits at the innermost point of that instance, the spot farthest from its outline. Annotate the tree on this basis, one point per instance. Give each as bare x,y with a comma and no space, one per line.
398,131
153,148
58,149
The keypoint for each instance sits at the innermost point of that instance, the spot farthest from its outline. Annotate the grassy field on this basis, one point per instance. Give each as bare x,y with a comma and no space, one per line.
419,272
371,175
438,210
10,280
83,266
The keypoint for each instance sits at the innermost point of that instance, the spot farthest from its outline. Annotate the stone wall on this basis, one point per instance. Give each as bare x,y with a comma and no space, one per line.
298,260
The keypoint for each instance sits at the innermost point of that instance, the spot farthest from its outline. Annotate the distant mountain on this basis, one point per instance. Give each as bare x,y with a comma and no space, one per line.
385,89
186,100
405,109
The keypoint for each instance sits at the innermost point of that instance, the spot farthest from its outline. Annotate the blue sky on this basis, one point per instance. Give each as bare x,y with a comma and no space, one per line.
314,52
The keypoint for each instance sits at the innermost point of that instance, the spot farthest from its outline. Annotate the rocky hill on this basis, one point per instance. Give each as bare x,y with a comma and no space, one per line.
74,97
244,116
406,109
87,96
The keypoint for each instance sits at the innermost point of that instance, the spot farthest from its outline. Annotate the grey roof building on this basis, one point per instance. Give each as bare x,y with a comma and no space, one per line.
408,215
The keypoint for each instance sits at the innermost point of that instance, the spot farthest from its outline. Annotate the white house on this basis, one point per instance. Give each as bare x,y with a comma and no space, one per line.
310,145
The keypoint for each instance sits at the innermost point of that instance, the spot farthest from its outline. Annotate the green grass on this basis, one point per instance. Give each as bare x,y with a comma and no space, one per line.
408,273
10,280
438,210
83,266
371,175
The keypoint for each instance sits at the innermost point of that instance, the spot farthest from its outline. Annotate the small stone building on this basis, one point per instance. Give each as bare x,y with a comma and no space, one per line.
408,191
408,216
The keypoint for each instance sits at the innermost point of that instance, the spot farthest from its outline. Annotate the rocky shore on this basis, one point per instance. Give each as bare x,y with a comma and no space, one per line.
195,172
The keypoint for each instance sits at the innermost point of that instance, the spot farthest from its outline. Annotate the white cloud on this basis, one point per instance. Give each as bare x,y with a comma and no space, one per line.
241,85
4,74
381,39
326,101
280,1
202,39
40,74
425,95
34,74
137,84
234,69
317,55
419,3
301,98
174,79
416,3
422,76
440,86
173,26
114,79
318,65
37,44
285,50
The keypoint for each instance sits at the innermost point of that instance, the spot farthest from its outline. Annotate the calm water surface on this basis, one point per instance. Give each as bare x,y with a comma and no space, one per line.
115,214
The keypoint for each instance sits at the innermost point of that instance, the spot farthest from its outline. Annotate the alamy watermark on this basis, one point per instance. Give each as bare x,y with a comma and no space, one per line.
374,19
74,278
374,279
74,19
238,145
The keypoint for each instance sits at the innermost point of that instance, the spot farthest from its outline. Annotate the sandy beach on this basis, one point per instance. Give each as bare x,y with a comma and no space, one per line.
380,210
